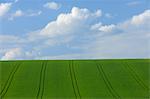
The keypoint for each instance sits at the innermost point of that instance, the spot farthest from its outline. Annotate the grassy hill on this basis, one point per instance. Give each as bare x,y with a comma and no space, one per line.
75,79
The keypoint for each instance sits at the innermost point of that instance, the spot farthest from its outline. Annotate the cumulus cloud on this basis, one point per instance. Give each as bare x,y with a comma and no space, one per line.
66,27
132,41
4,8
107,28
78,34
52,5
141,19
8,42
70,23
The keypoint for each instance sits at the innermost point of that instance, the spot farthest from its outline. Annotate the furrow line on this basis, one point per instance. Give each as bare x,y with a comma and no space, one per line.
72,79
107,82
136,77
40,81
9,81
76,80
43,85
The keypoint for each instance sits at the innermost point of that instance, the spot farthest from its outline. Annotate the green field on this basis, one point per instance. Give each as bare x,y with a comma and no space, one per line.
75,79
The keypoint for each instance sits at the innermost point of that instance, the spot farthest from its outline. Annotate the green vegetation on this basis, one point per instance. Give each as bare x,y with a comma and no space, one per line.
75,79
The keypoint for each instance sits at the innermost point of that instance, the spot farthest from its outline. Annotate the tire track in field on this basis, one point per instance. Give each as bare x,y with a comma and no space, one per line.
9,80
39,88
135,76
42,80
11,72
107,82
74,80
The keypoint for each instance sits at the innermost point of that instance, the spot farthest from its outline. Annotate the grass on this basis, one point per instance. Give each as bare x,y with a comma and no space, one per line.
75,79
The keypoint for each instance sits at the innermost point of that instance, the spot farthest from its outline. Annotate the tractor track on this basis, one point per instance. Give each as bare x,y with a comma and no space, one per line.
9,80
42,80
39,88
107,82
74,80
11,72
136,76
43,86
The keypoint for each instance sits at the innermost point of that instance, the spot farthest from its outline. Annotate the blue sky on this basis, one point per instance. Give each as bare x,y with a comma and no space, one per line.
66,29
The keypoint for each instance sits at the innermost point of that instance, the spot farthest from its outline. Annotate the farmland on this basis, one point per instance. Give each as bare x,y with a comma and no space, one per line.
75,79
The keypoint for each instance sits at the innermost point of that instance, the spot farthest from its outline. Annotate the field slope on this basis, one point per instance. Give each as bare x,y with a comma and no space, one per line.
75,79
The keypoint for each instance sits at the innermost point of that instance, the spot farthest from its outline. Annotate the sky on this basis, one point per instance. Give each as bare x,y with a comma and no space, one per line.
74,29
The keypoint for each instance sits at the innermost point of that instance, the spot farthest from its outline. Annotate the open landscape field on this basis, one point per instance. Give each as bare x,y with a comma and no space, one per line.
75,79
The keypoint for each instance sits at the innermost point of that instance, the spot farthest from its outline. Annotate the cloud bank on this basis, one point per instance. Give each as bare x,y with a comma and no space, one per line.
80,34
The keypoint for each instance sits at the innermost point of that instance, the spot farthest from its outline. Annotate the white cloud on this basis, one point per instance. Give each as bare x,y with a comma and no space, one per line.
98,13
70,23
78,35
52,5
65,28
19,54
8,42
132,41
15,53
4,8
141,19
122,36
20,13
35,13
107,28
96,26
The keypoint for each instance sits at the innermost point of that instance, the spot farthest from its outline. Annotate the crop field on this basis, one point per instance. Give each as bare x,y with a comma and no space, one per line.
75,79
